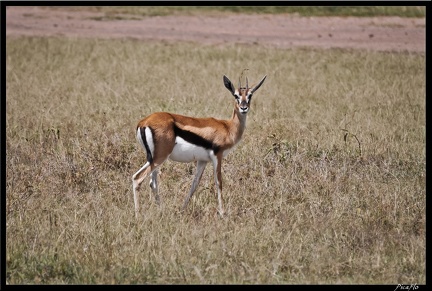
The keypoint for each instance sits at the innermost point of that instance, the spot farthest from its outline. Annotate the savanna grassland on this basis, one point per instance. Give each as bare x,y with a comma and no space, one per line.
326,187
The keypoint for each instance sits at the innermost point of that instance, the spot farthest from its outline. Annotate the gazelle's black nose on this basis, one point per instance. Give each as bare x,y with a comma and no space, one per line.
243,109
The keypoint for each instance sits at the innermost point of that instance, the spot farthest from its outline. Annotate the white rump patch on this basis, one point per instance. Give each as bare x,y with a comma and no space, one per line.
149,138
139,138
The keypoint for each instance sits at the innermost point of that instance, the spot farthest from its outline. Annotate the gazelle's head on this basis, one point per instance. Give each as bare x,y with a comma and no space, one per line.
243,94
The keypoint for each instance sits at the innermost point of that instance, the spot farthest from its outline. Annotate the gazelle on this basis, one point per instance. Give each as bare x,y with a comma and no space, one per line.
186,139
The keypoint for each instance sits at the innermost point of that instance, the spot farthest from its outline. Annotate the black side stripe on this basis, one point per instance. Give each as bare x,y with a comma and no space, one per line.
195,139
143,137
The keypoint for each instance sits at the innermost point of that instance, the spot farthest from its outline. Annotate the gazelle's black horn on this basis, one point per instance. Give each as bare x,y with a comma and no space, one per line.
239,83
247,86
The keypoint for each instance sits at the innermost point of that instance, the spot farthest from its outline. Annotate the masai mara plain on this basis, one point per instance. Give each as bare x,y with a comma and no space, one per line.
327,185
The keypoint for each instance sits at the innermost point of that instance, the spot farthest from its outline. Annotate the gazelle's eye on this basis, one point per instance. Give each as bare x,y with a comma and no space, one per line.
236,97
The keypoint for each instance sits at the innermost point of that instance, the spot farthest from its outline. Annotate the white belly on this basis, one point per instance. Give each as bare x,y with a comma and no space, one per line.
186,152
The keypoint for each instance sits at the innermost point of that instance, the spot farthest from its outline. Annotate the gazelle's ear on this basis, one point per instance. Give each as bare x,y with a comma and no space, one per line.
258,85
228,84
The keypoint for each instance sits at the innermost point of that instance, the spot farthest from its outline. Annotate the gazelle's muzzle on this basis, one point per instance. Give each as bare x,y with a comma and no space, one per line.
243,107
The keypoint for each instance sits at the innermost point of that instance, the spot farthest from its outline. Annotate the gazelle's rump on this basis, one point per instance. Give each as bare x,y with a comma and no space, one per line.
145,138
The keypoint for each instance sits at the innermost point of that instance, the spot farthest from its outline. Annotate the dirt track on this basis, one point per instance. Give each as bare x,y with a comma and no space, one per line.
284,31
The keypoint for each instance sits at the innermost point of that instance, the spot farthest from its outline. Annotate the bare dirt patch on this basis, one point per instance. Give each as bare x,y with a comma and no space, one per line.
283,31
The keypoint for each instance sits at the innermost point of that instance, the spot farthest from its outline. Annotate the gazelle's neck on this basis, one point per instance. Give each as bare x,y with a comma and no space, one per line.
238,125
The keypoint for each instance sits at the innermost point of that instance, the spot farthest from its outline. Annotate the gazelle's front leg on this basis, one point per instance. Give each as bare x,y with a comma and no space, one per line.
200,169
217,165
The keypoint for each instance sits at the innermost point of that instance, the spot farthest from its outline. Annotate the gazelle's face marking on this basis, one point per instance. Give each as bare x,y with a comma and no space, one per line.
243,97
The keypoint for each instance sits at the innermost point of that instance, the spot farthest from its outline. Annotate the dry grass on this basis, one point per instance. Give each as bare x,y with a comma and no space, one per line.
327,186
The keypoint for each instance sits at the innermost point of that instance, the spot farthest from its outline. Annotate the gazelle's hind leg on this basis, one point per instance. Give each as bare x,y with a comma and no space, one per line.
154,185
137,179
148,169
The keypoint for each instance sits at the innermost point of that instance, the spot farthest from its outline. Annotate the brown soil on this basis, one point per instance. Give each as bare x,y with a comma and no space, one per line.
283,31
